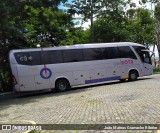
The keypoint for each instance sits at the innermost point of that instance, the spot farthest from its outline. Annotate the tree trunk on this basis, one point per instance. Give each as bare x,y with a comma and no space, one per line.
92,32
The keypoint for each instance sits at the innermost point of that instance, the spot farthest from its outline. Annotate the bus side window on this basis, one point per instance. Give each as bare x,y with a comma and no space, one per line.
35,58
91,54
52,57
28,58
126,52
72,55
111,53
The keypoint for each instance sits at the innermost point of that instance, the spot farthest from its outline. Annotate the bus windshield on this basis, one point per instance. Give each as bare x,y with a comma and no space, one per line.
143,54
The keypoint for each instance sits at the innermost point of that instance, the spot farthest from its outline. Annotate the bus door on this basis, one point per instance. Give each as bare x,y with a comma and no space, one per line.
147,64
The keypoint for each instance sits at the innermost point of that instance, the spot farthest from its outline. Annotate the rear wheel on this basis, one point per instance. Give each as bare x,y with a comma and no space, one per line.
62,85
133,75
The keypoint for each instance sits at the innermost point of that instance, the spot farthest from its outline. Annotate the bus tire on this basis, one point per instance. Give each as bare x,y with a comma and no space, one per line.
62,85
133,75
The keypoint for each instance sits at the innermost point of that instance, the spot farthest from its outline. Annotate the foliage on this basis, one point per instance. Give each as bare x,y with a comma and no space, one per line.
109,30
141,27
45,26
111,24
156,70
88,9
157,11
76,36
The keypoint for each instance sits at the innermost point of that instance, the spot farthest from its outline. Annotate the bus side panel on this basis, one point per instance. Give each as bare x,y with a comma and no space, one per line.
98,71
13,65
41,83
119,70
80,77
27,83
26,78
31,79
16,86
42,79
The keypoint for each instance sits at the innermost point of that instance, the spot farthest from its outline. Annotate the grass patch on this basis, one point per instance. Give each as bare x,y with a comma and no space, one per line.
156,70
4,115
94,101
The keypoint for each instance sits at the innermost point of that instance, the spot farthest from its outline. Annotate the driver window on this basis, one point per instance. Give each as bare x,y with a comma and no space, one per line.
146,58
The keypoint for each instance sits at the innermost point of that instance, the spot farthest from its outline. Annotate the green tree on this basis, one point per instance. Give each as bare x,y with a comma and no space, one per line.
141,27
110,30
110,26
88,9
45,26
10,36
76,36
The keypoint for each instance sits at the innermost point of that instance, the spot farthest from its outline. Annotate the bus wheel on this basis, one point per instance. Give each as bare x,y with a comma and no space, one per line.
62,85
122,80
133,76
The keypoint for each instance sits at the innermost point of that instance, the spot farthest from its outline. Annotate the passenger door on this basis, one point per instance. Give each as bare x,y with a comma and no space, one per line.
147,64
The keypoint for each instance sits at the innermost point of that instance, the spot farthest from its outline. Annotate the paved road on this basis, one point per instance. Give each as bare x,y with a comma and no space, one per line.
128,103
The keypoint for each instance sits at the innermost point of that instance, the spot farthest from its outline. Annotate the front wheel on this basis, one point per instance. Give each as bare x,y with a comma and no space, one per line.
62,85
133,76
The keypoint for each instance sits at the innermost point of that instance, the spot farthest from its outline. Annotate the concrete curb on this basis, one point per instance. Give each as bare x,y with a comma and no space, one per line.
7,95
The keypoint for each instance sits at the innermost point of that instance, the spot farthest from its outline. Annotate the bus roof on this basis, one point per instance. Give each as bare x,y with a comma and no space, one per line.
79,46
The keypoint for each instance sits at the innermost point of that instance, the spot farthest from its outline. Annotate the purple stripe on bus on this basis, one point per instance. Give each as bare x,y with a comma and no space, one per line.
102,79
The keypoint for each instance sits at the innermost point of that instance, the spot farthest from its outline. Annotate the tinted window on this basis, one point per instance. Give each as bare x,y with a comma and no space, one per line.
139,52
28,58
72,55
138,48
126,52
111,53
93,54
146,57
52,57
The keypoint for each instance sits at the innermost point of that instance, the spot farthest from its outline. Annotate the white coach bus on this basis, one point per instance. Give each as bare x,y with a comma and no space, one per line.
85,64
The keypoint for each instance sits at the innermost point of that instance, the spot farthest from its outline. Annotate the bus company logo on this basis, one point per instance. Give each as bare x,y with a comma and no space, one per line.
125,62
6,127
45,73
